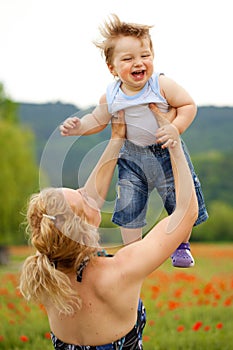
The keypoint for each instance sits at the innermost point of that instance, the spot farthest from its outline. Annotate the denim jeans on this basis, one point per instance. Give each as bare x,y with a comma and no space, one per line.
140,170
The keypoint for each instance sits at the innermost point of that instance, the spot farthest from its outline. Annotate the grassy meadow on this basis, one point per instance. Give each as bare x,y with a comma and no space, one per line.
189,309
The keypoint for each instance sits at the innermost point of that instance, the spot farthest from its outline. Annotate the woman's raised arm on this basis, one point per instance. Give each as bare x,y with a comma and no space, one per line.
100,179
139,259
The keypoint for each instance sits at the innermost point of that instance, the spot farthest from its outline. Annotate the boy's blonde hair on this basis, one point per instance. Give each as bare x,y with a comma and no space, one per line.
44,274
114,29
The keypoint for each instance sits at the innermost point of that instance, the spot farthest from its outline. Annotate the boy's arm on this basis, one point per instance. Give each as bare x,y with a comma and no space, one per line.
91,123
179,98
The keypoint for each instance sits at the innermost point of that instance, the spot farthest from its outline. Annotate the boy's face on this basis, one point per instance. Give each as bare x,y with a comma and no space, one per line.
132,62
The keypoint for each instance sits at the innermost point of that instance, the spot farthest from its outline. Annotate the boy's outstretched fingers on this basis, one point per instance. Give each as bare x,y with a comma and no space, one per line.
68,125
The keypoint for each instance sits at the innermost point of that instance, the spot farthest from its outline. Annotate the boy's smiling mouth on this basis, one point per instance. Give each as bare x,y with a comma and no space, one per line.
139,74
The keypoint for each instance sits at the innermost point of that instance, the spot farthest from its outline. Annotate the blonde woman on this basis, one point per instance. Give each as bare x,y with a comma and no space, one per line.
92,299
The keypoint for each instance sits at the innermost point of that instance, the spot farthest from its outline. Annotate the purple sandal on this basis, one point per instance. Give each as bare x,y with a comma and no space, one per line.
182,256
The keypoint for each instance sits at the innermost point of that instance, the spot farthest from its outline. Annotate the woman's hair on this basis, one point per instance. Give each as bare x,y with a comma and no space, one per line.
51,223
114,29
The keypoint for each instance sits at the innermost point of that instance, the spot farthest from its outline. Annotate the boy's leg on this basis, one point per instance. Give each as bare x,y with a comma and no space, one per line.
130,235
132,198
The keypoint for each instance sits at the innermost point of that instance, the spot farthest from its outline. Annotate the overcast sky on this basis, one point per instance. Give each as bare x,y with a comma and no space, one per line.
47,54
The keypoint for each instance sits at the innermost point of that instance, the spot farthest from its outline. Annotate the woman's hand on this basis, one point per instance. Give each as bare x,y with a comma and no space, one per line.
118,126
100,178
167,134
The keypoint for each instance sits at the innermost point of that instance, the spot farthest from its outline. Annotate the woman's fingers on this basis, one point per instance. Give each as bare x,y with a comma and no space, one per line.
160,117
118,125
169,144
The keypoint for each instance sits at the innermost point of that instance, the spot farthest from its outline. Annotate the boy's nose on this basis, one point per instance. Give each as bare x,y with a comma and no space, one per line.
138,62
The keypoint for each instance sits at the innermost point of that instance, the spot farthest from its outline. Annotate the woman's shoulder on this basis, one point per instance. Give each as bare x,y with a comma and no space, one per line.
102,275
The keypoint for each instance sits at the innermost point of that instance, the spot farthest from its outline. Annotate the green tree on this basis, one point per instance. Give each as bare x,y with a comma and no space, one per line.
18,173
219,225
18,178
215,172
8,108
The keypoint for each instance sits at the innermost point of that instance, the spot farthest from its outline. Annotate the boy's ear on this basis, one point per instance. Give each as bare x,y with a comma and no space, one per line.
112,70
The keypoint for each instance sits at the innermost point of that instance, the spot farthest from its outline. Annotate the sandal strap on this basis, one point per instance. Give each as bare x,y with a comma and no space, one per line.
184,246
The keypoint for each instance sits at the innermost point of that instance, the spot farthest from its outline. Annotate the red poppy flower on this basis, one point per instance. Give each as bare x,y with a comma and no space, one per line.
11,306
219,325
24,338
47,335
197,325
180,328
146,338
228,302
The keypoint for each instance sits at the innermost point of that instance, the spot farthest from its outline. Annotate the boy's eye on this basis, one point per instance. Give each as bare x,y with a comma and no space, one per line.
127,59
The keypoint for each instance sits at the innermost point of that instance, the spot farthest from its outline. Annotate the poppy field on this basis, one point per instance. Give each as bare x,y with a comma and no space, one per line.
188,309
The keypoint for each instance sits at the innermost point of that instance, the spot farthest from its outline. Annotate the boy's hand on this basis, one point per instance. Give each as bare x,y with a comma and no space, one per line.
70,126
167,134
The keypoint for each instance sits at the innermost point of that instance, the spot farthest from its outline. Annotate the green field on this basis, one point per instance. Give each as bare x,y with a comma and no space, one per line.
189,309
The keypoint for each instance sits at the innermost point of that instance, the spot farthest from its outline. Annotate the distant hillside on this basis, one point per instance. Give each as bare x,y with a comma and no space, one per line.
44,118
211,131
59,157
